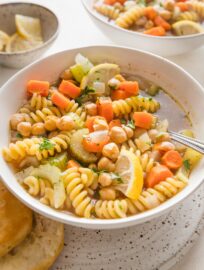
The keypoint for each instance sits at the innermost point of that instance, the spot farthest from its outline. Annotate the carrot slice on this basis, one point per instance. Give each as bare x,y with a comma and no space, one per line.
114,123
143,119
70,89
183,6
119,94
129,87
156,31
112,2
105,108
90,122
72,164
95,141
172,159
156,175
159,21
39,87
60,100
150,13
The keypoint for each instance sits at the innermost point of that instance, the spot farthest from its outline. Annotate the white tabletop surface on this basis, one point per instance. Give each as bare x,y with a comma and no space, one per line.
77,29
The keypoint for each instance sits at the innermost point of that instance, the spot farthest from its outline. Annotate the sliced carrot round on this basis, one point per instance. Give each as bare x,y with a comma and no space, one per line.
69,89
105,108
39,87
156,175
172,159
91,121
60,100
119,94
72,164
95,141
143,119
129,87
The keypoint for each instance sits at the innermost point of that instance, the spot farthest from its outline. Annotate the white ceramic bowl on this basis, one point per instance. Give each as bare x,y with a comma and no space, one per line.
174,79
164,46
50,29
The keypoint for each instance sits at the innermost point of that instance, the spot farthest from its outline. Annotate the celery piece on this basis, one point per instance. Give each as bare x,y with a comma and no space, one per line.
77,72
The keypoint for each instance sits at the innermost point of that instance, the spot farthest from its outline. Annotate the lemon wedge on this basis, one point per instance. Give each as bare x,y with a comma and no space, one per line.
28,27
128,167
4,38
100,73
186,27
16,43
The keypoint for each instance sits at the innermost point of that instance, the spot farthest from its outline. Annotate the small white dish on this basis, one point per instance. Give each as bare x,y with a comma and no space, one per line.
182,86
50,29
164,46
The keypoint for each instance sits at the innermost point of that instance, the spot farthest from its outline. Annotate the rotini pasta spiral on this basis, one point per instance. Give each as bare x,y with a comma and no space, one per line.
75,108
81,202
137,103
20,149
111,209
188,15
59,142
108,11
153,197
38,102
128,18
40,115
88,177
146,161
36,186
48,198
197,7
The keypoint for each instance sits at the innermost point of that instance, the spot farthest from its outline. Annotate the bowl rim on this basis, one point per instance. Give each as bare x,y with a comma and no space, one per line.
96,16
100,223
52,38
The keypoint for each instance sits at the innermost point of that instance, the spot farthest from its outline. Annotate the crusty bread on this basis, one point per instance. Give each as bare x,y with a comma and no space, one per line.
15,221
39,250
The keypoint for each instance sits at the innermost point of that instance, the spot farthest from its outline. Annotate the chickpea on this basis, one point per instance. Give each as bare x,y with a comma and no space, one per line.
51,122
129,131
166,146
118,135
169,5
153,134
107,194
38,129
92,166
91,109
100,124
66,75
149,24
141,21
106,164
24,128
111,150
156,155
166,15
105,179
16,119
65,123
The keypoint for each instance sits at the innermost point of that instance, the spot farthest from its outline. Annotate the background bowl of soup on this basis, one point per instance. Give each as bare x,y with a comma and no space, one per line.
161,45
177,83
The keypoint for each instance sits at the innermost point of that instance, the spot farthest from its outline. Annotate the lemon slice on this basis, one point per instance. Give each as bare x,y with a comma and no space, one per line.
186,27
4,38
28,27
100,73
16,43
128,167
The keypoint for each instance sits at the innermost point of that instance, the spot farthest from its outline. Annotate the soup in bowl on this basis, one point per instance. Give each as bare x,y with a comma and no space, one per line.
86,140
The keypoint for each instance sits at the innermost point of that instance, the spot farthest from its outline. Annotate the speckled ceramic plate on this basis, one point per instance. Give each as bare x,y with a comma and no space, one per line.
158,244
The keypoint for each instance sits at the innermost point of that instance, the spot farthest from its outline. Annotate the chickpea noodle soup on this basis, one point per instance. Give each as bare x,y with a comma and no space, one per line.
156,18
96,143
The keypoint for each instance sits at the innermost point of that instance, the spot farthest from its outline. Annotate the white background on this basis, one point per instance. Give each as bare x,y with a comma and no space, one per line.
76,30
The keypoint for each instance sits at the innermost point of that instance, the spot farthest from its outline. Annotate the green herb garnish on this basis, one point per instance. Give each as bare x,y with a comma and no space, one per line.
46,144
187,165
141,2
99,171
18,135
131,124
84,93
123,121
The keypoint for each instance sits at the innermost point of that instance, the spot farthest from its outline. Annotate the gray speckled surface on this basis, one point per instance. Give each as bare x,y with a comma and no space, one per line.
158,244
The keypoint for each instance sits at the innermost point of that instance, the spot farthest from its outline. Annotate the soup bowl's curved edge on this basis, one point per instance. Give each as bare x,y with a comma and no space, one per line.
19,192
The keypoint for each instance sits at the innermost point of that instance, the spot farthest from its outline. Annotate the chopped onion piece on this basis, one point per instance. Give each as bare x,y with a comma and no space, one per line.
99,88
98,136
